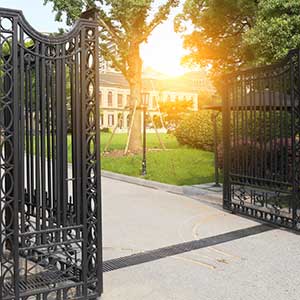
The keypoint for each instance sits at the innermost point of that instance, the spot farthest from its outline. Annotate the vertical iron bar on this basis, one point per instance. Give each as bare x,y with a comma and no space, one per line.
254,135
22,133
73,133
58,138
48,134
16,140
77,136
37,140
53,105
64,138
293,136
43,148
226,145
31,139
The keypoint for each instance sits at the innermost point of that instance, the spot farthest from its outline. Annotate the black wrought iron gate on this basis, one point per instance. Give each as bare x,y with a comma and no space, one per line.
261,115
50,206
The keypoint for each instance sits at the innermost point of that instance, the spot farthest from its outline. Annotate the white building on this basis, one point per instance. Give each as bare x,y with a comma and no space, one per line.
115,95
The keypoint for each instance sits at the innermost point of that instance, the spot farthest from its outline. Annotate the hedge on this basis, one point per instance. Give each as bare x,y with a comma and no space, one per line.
196,130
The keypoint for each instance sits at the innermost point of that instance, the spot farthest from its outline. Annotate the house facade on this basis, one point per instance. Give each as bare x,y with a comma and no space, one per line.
115,95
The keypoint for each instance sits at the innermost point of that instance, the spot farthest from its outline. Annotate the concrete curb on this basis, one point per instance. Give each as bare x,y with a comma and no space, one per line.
195,192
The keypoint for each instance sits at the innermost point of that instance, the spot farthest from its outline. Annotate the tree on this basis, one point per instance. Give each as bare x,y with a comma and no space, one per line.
275,32
174,111
231,34
218,28
126,24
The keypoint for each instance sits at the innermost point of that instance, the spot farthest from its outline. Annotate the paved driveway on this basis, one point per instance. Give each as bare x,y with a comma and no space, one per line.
234,258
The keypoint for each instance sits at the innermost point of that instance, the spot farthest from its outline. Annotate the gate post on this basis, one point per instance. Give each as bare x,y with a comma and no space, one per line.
9,147
91,168
226,146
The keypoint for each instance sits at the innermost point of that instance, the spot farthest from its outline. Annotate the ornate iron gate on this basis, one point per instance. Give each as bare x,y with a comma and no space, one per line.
50,206
261,116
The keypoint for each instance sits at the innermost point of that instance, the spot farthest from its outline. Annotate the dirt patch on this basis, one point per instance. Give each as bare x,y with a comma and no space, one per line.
114,153
120,153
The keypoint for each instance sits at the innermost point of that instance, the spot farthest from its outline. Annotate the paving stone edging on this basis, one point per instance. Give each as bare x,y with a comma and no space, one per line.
197,193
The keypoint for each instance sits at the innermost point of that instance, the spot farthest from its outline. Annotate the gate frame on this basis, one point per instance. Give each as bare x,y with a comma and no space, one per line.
292,60
88,158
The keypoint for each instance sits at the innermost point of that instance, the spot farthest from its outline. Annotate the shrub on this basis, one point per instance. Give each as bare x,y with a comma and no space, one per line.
196,130
105,130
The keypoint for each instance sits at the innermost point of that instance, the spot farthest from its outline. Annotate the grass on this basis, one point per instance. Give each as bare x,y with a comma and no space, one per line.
177,165
119,141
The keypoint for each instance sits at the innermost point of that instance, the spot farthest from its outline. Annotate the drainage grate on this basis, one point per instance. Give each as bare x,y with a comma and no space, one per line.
152,255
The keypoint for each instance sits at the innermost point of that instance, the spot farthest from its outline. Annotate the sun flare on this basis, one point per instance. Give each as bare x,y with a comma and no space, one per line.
163,51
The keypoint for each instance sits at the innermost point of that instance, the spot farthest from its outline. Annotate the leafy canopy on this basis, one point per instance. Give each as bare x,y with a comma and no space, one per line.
230,34
275,32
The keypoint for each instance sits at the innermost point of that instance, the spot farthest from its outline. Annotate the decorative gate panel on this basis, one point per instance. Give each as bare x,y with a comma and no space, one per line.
262,142
50,205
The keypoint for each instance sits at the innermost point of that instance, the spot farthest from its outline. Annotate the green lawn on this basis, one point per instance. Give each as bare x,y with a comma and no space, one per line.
178,165
119,141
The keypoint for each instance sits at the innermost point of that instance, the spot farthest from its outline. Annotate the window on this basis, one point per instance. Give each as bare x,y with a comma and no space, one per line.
101,119
128,100
109,99
120,120
154,104
120,100
111,120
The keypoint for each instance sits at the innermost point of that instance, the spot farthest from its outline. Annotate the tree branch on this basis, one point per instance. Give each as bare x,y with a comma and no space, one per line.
161,15
110,56
106,24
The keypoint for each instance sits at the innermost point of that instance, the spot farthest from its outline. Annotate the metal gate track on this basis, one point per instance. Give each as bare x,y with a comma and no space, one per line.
152,255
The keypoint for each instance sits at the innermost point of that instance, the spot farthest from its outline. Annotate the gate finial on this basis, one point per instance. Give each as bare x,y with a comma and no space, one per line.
90,14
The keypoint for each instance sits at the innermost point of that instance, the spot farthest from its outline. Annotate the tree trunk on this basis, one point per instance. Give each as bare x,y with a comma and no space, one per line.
135,82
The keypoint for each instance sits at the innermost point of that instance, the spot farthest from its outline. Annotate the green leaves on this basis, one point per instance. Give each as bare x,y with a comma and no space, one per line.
232,34
276,31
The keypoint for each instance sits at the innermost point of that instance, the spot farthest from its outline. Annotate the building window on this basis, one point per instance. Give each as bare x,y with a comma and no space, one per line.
120,120
120,100
109,99
111,120
101,119
128,119
128,100
154,104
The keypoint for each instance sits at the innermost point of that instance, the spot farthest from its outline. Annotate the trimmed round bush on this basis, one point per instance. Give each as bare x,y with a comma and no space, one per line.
196,130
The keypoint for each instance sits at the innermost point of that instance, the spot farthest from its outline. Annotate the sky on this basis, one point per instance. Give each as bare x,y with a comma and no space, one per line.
163,51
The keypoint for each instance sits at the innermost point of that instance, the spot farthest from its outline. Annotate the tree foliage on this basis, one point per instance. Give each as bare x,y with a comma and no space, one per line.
125,25
174,111
233,34
275,32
